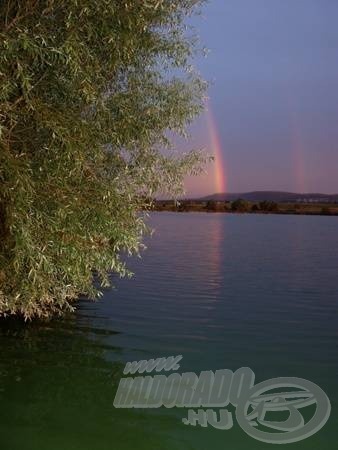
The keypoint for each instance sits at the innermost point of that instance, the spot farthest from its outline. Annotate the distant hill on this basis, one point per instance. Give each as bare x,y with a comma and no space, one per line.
276,196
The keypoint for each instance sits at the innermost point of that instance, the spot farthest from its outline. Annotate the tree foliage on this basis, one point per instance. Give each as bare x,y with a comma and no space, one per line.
88,93
268,206
240,205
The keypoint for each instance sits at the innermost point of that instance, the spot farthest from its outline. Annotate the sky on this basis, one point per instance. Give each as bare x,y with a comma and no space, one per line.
272,120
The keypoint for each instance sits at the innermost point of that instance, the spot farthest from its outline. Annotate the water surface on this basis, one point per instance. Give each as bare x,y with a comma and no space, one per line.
223,290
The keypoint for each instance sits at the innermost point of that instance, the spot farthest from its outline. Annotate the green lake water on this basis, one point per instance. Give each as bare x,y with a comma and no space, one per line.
225,291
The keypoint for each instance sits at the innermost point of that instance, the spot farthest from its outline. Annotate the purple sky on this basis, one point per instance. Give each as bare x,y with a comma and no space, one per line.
273,65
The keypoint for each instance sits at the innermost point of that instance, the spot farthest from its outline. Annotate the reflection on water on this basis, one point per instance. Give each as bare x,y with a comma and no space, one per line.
216,236
225,291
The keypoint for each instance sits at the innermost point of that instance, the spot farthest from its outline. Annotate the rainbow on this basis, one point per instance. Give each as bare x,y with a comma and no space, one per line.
297,147
216,150
299,159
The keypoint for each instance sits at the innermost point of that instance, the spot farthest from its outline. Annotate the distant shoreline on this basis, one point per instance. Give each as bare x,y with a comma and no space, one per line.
241,206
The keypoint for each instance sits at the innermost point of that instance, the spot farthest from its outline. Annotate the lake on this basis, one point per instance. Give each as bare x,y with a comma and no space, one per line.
223,290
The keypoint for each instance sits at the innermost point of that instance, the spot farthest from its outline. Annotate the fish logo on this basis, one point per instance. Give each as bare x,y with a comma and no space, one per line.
258,411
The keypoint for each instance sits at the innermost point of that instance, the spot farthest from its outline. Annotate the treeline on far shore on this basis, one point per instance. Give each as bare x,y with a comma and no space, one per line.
244,206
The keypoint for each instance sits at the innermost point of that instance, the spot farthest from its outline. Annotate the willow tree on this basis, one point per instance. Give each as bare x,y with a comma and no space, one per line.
90,92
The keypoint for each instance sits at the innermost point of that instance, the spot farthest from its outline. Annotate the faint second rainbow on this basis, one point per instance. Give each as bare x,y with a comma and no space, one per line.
217,151
297,146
